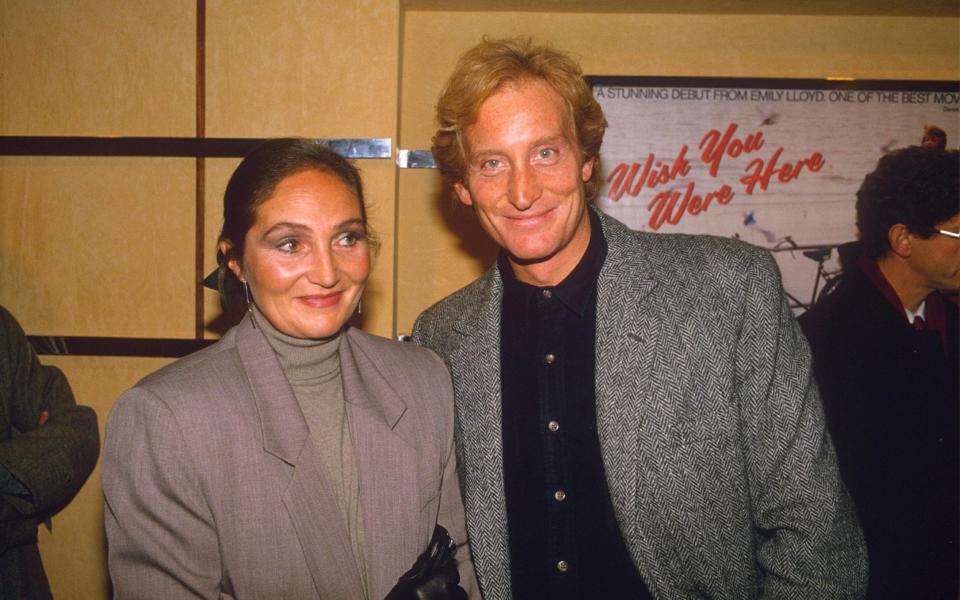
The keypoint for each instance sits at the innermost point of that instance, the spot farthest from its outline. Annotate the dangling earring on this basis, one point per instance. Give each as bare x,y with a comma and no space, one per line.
360,306
246,292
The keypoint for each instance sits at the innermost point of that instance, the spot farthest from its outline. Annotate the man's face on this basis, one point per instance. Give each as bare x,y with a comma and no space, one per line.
936,260
932,140
525,179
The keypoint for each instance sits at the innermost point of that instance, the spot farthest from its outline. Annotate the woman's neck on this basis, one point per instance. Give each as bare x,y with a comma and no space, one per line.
301,359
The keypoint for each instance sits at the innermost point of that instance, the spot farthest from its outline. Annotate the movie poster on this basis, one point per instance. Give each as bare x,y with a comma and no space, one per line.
776,163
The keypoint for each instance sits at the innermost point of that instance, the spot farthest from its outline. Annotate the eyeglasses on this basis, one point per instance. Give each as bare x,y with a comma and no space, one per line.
954,234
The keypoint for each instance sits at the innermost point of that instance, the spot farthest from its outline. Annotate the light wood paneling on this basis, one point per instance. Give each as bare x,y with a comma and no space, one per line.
98,246
97,67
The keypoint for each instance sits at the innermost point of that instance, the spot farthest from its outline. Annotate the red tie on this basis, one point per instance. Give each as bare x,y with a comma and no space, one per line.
919,324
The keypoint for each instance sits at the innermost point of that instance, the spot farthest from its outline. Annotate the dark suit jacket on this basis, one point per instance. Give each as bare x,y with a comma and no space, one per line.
48,443
891,398
722,477
213,489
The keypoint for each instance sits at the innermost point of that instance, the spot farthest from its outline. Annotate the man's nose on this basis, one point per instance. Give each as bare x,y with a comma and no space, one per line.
525,188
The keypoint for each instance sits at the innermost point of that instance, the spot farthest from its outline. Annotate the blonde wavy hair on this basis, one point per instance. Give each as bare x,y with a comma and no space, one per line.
483,70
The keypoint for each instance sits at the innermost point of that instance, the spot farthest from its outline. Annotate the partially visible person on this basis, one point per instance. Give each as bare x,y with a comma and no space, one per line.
297,457
885,357
636,416
48,447
934,138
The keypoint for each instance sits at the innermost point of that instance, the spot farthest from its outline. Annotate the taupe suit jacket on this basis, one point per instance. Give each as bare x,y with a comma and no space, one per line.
722,477
213,489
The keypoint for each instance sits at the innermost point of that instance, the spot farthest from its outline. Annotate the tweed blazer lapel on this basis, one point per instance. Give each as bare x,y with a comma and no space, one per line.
385,447
634,427
309,499
475,361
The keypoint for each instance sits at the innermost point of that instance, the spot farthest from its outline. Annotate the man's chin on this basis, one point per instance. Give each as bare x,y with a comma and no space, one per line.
530,257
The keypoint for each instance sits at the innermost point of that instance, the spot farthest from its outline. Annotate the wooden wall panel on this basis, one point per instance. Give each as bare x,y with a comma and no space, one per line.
98,246
315,69
97,67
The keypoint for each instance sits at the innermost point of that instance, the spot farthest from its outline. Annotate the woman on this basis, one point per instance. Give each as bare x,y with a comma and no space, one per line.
296,457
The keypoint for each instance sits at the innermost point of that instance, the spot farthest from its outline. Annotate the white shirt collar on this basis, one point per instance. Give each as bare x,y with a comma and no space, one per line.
921,312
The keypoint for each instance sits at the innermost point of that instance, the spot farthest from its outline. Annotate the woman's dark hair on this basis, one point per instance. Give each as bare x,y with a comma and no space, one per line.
254,181
914,186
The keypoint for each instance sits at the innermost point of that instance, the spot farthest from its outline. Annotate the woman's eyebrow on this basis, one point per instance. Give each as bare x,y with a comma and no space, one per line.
350,223
286,225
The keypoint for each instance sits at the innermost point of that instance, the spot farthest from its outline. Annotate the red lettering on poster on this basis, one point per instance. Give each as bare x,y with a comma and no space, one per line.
621,178
760,171
717,146
671,205
664,206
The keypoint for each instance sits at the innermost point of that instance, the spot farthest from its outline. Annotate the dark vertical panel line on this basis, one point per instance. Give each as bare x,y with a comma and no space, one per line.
395,326
200,176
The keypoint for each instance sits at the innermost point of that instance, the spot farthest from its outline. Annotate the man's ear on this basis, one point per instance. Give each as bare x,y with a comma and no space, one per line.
233,264
586,171
463,193
900,240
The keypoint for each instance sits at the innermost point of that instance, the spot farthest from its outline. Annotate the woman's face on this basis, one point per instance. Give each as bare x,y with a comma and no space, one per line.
306,257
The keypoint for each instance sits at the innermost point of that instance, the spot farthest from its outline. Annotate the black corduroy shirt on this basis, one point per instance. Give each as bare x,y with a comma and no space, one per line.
564,538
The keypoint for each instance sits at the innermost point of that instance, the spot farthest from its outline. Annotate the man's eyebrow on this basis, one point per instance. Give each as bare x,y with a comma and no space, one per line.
552,139
485,152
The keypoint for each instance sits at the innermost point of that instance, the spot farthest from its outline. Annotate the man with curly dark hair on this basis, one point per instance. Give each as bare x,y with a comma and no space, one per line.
885,357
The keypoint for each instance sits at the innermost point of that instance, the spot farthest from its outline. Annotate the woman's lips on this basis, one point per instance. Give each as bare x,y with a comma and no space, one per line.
318,301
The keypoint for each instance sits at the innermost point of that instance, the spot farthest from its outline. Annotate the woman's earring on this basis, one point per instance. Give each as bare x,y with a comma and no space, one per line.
246,292
360,306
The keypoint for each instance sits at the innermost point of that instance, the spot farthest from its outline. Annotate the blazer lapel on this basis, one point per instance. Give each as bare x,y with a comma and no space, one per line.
385,450
632,426
308,498
475,361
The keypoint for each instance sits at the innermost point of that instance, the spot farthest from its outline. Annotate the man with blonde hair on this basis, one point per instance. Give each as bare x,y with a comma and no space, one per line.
635,415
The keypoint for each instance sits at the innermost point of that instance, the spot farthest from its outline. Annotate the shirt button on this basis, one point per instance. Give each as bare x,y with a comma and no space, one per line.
560,495
553,426
549,358
562,566
547,294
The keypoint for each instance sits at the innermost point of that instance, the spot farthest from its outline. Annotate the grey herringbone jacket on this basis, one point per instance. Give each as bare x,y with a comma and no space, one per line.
722,476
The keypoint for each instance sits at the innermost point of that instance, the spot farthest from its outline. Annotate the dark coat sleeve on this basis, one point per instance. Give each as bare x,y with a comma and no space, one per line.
48,444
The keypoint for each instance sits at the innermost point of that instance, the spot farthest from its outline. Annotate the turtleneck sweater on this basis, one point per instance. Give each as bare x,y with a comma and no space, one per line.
312,367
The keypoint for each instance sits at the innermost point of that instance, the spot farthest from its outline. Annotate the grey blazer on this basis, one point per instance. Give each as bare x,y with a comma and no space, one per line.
722,477
213,491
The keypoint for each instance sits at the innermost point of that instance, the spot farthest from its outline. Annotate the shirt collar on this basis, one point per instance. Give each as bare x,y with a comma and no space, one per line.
577,288
931,310
911,315
875,275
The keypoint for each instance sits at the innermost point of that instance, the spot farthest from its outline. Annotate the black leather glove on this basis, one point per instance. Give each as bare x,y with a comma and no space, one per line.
434,575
